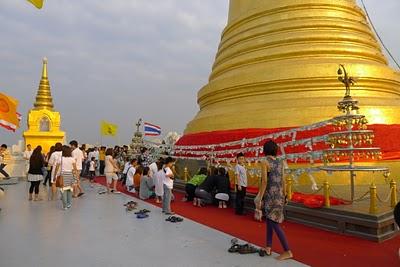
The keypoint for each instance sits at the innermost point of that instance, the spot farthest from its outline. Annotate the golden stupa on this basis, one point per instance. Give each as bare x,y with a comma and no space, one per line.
43,121
276,67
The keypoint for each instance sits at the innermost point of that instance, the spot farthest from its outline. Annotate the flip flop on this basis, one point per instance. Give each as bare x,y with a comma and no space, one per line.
234,248
262,252
247,249
142,215
178,219
130,202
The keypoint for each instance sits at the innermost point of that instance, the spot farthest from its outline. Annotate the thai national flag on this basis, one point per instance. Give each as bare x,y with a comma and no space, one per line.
151,129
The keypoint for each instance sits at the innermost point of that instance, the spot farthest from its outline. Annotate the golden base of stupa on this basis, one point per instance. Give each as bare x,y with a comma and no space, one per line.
276,67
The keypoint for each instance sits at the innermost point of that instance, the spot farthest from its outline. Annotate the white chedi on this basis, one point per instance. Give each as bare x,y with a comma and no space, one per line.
171,138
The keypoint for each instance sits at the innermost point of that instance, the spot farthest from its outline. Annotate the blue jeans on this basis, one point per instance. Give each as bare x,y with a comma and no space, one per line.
66,198
166,201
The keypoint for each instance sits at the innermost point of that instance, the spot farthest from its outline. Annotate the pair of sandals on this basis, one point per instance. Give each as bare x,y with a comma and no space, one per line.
131,205
141,214
143,211
174,219
247,249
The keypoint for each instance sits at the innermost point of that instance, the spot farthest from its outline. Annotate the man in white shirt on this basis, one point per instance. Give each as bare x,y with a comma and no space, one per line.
27,157
130,173
77,154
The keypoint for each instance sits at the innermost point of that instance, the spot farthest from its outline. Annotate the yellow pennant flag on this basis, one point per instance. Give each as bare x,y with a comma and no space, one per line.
107,128
8,112
37,3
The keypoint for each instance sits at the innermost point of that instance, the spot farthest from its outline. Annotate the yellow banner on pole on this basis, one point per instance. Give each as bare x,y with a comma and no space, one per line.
37,3
8,112
107,128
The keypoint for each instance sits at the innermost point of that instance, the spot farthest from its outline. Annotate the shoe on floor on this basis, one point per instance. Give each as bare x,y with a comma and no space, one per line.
142,215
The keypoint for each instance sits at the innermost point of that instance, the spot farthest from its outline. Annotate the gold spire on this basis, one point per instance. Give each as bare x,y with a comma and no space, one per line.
43,97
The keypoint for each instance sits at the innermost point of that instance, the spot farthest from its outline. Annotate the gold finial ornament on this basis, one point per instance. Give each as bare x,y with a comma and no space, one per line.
281,55
43,97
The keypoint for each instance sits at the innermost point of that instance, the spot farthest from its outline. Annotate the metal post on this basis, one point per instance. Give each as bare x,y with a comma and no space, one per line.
373,208
289,187
327,194
185,174
393,193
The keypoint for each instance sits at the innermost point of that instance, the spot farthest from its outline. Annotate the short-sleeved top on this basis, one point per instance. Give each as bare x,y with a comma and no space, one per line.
153,169
67,164
241,172
109,167
77,154
54,158
92,167
28,154
169,183
102,155
126,167
130,176
197,179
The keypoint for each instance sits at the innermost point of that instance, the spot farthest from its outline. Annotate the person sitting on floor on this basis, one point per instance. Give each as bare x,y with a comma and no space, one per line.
146,190
204,191
223,188
192,184
137,176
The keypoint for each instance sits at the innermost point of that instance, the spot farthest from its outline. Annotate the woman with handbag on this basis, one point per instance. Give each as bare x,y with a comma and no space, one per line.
273,185
35,172
66,179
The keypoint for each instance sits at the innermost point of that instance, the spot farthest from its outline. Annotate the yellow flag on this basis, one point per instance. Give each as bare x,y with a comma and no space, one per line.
8,112
37,3
107,128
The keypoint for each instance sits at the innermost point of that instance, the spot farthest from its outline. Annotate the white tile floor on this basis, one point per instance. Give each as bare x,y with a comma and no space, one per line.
97,231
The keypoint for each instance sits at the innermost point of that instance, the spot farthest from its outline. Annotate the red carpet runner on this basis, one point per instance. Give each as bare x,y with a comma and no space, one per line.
310,245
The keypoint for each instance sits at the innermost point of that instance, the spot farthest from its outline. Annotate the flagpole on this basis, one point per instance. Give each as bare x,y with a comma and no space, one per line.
101,136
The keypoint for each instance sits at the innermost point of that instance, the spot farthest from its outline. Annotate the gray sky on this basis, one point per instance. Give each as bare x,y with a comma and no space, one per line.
123,59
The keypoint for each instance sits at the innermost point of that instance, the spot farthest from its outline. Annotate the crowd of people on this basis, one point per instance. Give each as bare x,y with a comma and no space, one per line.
63,166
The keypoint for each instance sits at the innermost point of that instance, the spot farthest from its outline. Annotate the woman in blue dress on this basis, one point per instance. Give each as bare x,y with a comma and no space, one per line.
274,192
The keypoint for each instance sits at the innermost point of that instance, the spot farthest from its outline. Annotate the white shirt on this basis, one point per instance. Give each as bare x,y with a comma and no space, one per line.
77,154
109,167
54,158
95,154
168,181
241,174
66,164
27,154
153,169
126,167
92,166
129,176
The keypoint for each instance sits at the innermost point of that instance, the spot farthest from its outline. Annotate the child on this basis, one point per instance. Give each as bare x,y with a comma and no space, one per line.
92,169
168,185
241,184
